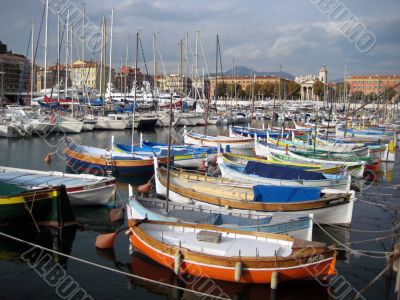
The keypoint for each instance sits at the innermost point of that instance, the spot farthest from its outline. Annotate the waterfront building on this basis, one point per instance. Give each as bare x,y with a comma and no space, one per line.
373,84
307,82
174,83
244,83
15,74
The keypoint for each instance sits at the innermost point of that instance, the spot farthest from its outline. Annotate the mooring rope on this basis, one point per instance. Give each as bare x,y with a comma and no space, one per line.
110,269
363,231
355,251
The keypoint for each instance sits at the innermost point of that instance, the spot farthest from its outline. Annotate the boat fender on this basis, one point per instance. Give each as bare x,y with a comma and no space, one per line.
274,280
238,271
144,188
178,262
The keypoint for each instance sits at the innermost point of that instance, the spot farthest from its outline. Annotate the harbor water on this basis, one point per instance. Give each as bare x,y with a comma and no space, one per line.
374,216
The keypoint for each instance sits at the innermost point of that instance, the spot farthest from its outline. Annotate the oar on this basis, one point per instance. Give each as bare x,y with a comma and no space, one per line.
106,240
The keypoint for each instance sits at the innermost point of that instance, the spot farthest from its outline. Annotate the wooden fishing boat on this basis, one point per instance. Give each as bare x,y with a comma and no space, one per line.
198,139
355,168
384,151
82,189
184,156
329,206
99,161
155,209
230,255
296,145
260,173
320,168
41,207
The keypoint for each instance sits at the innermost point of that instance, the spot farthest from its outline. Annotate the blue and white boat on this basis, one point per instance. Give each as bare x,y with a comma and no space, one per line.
259,173
300,226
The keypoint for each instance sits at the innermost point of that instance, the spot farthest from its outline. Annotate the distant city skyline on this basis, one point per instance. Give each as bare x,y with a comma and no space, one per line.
259,34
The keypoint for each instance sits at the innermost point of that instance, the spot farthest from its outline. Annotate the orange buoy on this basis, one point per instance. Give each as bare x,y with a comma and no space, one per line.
116,214
48,158
105,241
144,188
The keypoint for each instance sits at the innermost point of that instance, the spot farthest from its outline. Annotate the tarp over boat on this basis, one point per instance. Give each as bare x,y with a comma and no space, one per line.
7,189
280,172
285,194
216,219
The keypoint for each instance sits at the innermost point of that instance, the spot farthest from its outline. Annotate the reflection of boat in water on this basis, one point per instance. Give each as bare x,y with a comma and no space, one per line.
333,235
144,267
60,240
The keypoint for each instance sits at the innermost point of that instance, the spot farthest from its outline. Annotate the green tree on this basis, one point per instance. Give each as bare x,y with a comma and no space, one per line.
319,89
371,96
358,95
340,89
222,89
389,94
293,90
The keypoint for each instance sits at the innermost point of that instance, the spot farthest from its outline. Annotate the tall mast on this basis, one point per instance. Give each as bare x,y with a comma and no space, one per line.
111,41
32,58
83,47
154,66
126,65
45,45
186,61
196,72
181,89
134,98
70,66
66,58
58,55
234,77
102,59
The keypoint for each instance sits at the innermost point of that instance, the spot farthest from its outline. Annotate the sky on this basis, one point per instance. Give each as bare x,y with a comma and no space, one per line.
299,35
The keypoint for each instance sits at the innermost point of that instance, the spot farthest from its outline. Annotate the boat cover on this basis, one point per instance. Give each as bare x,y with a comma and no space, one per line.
216,218
7,189
285,194
280,172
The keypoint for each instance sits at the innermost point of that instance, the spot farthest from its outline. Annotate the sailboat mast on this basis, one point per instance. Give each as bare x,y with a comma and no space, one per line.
154,66
111,46
134,98
66,57
169,154
45,45
186,61
32,58
196,72
58,55
83,49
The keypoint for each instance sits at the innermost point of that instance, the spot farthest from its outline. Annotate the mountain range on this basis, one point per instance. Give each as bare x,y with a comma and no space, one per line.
245,71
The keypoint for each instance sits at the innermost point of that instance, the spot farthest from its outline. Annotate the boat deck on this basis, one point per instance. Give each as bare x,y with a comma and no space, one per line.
218,190
231,244
29,179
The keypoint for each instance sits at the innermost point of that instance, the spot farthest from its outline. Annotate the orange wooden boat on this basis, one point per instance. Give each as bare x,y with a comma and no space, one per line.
231,255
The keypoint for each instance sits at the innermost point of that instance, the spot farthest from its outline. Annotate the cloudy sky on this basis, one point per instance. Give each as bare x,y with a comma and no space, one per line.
262,34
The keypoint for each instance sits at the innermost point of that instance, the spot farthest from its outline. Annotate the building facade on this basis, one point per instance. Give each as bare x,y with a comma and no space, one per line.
246,82
307,82
377,84
124,80
15,75
174,83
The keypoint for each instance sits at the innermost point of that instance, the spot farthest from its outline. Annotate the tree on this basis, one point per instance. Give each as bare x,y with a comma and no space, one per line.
222,89
340,89
371,96
319,89
358,95
293,89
